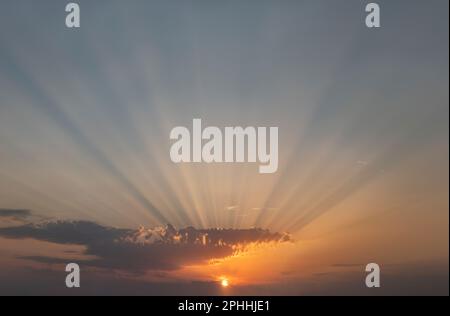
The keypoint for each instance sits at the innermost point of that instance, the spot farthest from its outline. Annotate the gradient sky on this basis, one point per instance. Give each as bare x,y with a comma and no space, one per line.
85,117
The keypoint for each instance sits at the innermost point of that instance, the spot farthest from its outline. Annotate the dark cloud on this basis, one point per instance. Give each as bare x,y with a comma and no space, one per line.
14,214
65,232
161,248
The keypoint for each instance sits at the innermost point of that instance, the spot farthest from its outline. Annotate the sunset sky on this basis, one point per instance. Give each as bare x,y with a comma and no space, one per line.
86,176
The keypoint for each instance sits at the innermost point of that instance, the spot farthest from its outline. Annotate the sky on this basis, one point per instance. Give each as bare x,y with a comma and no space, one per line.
86,175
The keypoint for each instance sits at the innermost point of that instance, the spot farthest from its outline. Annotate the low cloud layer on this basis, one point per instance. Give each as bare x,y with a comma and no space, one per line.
14,214
137,251
11,217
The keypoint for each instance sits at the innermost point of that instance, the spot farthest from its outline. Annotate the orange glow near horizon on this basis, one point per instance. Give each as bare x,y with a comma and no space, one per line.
259,265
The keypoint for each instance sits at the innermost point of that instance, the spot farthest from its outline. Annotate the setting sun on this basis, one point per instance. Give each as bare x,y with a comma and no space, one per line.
225,283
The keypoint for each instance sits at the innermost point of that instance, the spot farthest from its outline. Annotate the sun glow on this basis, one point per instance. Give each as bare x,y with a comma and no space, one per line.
224,282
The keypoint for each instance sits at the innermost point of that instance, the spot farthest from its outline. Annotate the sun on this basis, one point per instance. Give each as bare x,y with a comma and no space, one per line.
225,283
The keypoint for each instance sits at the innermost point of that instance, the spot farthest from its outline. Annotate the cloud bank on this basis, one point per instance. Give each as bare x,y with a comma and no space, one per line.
137,251
14,214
